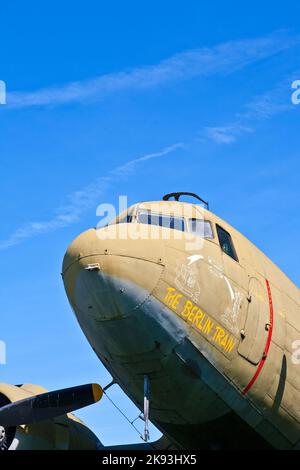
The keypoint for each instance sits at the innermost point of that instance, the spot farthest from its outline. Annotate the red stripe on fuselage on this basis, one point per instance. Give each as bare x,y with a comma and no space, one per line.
268,343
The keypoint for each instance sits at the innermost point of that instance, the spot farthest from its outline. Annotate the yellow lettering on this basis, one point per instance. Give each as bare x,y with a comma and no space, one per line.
208,326
192,313
170,295
200,320
230,345
218,335
175,301
187,308
224,341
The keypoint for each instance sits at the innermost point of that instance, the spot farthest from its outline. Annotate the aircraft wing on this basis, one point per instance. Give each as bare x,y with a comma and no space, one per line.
33,418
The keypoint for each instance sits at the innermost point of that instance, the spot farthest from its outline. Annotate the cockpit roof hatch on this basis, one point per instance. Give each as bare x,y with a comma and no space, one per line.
177,196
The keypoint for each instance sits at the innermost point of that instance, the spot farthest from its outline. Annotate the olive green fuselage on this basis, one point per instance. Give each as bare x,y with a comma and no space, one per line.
215,335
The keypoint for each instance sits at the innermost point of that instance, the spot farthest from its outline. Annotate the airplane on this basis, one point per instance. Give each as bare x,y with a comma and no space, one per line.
198,327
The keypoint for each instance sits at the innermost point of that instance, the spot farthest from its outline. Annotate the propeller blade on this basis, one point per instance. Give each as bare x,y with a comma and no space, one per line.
49,405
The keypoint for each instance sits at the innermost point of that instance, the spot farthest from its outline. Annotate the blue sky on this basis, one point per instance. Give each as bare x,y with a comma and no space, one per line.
139,99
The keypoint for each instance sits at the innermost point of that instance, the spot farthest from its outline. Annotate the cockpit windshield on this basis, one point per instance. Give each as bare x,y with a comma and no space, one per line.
162,220
202,228
197,226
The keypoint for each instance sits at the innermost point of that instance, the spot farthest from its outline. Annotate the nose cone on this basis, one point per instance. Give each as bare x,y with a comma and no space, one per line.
108,241
107,279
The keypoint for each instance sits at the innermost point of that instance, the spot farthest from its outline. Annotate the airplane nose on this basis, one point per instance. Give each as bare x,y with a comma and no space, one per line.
108,278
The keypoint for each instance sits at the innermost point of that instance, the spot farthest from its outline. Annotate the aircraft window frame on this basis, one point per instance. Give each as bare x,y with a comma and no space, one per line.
205,223
233,254
161,216
126,219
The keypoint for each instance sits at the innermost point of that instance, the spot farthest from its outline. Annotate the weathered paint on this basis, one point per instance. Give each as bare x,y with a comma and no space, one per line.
207,297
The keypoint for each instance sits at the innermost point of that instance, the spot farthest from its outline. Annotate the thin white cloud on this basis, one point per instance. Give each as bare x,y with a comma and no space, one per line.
82,200
220,59
226,134
263,107
275,101
224,58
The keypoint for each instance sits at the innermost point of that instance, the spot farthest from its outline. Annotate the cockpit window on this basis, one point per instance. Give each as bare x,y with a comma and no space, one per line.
226,243
161,220
201,227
